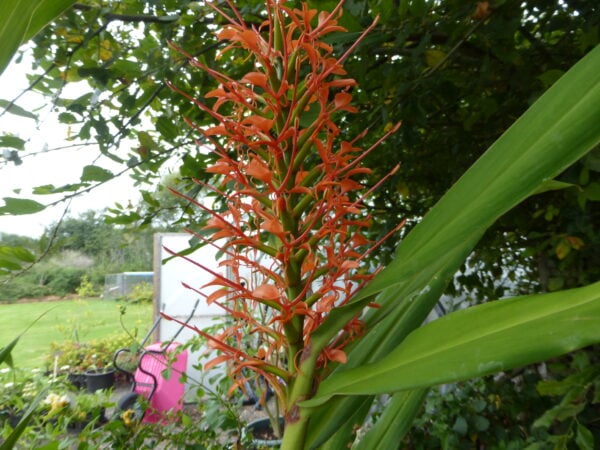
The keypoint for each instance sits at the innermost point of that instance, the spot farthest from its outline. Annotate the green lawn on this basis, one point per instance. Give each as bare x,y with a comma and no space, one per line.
88,319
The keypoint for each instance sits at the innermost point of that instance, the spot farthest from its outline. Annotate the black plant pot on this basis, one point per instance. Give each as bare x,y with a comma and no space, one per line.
96,380
77,379
11,417
262,433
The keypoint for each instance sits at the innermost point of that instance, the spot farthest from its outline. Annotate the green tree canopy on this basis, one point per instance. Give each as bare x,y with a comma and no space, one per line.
455,73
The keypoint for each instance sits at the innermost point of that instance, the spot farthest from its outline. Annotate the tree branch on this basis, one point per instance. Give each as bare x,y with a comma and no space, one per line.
145,18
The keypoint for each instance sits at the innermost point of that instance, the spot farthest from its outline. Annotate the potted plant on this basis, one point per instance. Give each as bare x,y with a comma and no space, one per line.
86,408
99,377
290,216
78,358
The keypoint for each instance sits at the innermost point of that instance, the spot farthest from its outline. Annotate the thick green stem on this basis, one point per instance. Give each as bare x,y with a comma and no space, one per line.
296,420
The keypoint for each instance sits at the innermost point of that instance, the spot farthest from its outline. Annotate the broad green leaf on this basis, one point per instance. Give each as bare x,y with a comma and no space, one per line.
478,341
20,206
343,436
66,117
16,110
460,426
564,410
557,130
22,19
95,173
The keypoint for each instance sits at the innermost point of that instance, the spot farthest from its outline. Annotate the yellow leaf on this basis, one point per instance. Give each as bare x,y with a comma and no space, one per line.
575,242
562,249
104,54
434,57
75,39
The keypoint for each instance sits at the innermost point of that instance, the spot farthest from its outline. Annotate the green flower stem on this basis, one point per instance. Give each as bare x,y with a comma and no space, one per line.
297,418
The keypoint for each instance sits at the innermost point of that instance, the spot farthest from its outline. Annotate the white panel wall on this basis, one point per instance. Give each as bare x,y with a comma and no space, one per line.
174,299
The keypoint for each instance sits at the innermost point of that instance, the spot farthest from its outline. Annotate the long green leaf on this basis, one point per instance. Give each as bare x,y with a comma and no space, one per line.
6,352
395,421
557,130
22,19
477,341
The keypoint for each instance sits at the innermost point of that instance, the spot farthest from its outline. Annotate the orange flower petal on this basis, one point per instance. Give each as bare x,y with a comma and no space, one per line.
255,78
266,292
259,170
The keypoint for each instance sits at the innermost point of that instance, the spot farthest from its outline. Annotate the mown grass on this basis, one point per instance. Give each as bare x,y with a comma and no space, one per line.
81,320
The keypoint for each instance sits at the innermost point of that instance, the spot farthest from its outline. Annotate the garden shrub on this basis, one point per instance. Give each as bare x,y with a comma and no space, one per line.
87,288
79,357
541,407
41,280
64,280
58,409
22,287
141,293
490,412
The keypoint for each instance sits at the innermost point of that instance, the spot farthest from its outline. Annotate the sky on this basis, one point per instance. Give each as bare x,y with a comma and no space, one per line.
47,166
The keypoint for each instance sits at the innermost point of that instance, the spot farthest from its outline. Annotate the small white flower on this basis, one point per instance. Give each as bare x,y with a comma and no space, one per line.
9,385
67,367
56,401
5,370
36,370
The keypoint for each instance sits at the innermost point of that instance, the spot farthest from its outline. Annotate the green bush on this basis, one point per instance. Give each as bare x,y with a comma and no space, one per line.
64,280
22,287
141,293
41,280
491,412
87,288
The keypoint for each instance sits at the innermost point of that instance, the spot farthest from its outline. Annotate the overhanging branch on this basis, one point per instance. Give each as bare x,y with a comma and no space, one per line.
145,18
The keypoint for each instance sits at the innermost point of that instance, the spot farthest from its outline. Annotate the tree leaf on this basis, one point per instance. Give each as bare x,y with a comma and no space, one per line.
20,206
146,141
12,142
460,426
16,110
95,173
584,438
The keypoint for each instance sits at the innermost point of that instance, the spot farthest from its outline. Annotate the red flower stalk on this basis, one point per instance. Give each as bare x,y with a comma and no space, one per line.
292,233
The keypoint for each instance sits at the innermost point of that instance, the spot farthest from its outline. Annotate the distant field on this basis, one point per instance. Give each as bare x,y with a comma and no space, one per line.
65,320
